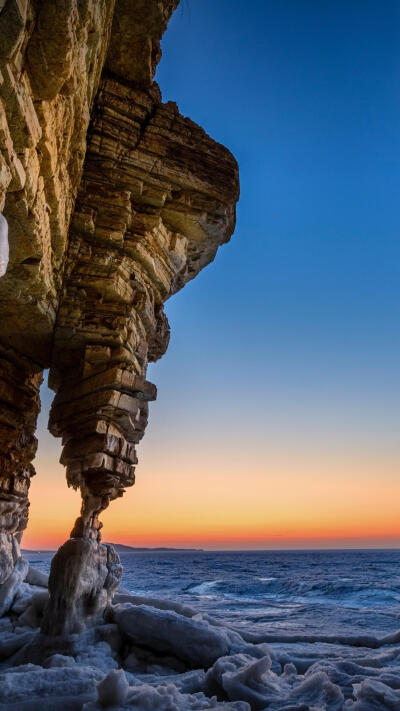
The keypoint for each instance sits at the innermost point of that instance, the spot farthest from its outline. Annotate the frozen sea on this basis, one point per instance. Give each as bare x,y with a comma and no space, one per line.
319,631
299,594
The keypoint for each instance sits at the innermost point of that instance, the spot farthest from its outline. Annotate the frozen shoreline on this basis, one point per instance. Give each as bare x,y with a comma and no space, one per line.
155,654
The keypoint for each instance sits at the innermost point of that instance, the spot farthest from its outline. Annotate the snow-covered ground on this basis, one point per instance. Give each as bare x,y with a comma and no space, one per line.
153,654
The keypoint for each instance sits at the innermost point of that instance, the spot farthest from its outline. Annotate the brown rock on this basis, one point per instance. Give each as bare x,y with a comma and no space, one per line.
114,202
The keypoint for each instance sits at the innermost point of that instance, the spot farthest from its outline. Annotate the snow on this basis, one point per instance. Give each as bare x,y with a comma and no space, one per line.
100,656
158,655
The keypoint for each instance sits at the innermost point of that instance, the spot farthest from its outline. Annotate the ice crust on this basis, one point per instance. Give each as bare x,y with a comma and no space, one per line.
158,655
4,246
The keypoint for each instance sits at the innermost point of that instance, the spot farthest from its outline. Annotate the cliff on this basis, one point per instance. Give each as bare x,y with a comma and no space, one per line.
113,202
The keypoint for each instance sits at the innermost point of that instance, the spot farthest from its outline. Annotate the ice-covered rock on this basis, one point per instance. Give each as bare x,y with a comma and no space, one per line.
194,642
83,577
9,589
4,248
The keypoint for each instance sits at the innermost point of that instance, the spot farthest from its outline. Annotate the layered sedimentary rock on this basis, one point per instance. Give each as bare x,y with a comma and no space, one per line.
147,209
51,57
19,397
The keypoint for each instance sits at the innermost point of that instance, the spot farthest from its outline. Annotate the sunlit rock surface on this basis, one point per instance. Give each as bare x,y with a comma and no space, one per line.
114,201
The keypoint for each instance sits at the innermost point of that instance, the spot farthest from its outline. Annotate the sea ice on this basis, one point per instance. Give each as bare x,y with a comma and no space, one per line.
138,660
114,692
372,695
37,577
21,684
194,642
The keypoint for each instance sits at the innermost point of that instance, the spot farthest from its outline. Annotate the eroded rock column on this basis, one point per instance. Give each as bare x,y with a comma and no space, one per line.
151,197
19,408
157,199
51,59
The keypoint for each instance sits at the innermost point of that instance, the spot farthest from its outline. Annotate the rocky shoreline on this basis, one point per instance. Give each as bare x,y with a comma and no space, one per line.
147,654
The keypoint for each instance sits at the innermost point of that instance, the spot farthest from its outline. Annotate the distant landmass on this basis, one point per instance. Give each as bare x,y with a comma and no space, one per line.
131,549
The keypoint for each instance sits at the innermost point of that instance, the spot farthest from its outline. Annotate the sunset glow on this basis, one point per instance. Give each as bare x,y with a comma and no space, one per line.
272,501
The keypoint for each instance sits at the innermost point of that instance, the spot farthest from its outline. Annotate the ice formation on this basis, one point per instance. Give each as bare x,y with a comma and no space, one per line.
158,655
4,248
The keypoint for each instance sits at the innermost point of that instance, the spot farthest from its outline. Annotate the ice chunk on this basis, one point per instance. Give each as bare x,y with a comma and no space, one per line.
113,690
194,642
58,660
25,596
315,692
37,577
11,643
158,603
245,678
4,250
164,697
372,695
41,683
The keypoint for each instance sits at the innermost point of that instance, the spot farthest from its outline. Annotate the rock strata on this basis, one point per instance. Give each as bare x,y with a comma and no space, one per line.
114,202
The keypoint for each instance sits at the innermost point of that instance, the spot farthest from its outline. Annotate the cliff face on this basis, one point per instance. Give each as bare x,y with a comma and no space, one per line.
113,201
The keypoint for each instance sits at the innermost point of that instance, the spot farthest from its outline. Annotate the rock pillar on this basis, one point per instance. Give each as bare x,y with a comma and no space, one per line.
19,407
114,202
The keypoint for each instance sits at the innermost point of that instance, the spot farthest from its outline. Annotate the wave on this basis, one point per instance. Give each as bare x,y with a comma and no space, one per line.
344,591
202,588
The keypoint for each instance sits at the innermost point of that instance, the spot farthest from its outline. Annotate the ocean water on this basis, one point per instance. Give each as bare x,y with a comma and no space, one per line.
292,593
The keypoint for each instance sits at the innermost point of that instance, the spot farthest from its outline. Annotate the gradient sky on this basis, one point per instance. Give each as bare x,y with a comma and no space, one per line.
277,419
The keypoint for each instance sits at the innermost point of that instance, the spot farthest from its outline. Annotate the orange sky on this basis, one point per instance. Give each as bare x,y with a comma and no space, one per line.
244,500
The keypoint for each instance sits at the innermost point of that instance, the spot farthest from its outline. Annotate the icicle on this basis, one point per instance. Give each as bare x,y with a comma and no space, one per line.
3,245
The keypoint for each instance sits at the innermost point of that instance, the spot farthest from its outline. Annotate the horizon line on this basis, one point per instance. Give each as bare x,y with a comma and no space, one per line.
201,549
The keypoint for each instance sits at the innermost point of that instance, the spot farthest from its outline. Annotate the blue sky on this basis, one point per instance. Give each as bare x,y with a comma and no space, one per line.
302,307
288,345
